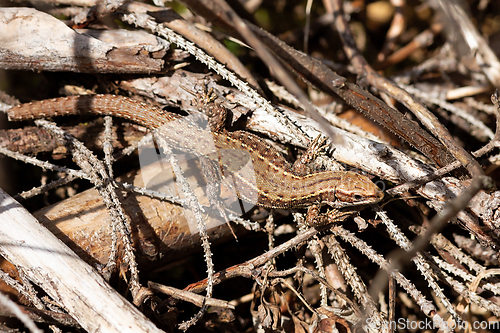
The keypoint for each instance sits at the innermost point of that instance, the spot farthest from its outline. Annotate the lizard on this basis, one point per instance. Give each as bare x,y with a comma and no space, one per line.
275,185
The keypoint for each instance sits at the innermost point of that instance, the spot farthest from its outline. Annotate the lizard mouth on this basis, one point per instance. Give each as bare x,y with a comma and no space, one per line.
358,203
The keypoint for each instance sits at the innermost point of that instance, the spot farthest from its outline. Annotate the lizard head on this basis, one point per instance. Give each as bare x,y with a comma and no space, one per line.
355,190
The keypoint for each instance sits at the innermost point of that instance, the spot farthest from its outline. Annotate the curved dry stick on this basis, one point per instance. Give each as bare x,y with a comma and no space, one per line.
385,85
495,142
318,74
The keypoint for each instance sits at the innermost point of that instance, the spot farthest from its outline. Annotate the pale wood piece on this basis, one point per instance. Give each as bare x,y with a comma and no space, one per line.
33,40
63,275
160,232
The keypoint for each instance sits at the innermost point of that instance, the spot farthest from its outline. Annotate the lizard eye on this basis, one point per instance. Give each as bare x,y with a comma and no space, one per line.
358,197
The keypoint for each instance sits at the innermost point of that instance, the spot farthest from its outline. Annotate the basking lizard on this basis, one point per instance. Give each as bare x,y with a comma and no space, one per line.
274,185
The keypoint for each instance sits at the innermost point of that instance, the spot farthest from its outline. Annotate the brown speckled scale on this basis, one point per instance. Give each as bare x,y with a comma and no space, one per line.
273,183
